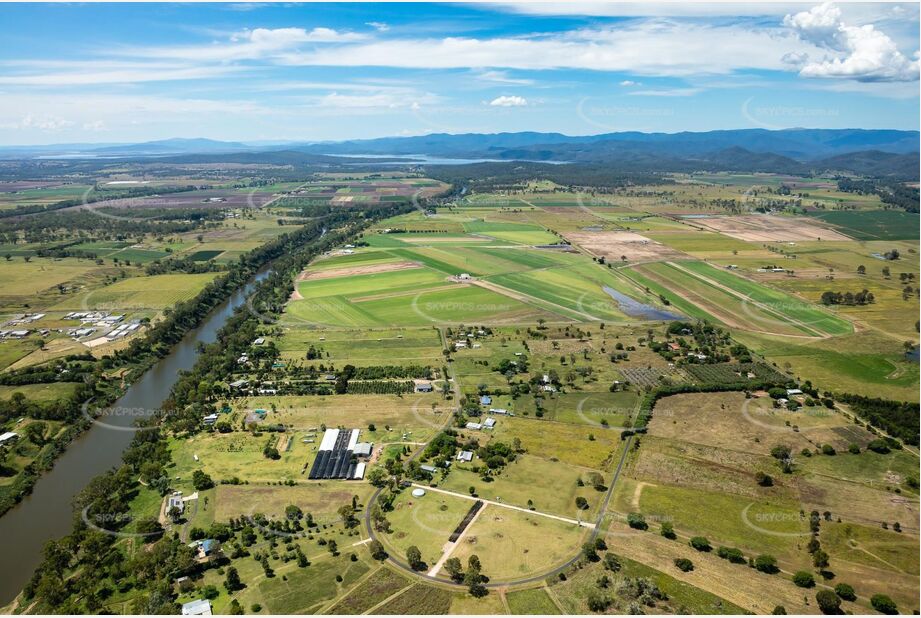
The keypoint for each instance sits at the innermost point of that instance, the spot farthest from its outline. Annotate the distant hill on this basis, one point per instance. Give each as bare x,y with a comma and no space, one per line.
175,145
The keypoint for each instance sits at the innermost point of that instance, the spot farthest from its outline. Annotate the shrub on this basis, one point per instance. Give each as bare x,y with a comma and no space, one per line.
879,446
700,543
853,449
828,602
581,503
684,564
766,563
598,602
828,449
779,610
731,554
765,480
883,604
667,530
846,592
636,520
803,579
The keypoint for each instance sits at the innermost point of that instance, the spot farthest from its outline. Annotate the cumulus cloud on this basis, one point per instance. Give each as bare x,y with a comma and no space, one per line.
862,53
509,101
378,25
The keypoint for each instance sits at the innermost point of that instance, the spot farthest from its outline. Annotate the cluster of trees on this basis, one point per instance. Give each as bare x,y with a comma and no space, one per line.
897,418
863,297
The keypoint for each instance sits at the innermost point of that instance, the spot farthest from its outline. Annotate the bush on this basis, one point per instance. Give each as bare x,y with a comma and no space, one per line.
598,602
684,564
803,579
766,563
731,554
201,481
636,520
846,592
779,610
700,543
879,446
581,503
765,480
828,449
828,602
667,530
853,449
883,604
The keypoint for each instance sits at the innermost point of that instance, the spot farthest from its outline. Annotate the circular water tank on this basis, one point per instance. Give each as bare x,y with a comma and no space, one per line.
418,493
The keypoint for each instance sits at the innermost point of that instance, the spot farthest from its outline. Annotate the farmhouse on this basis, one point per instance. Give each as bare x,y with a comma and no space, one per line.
501,411
201,607
210,419
465,456
259,341
485,400
489,423
793,391
674,346
429,469
238,384
175,501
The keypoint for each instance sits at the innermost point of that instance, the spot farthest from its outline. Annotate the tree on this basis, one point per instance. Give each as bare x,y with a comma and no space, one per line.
235,608
174,514
377,550
766,563
232,582
828,602
414,558
667,530
846,592
611,563
454,568
820,559
803,579
684,564
883,604
333,547
861,269
637,521
589,552
765,480
779,610
700,543
581,503
201,481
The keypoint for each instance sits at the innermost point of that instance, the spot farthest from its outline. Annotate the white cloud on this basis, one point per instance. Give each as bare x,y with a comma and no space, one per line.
509,101
862,53
378,25
41,122
629,82
90,73
502,77
667,92
95,125
649,47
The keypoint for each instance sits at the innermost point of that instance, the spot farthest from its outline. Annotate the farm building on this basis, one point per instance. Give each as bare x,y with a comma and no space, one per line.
793,391
474,426
206,548
429,469
485,400
184,583
210,419
489,423
259,341
363,449
465,456
238,384
8,437
201,607
501,411
425,388
334,457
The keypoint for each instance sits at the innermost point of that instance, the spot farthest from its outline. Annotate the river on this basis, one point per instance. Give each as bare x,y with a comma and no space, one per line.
48,512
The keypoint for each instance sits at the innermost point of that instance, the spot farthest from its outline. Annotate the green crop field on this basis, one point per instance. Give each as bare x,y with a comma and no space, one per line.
873,224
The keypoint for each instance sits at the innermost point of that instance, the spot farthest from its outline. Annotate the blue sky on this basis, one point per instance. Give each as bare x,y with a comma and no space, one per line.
250,72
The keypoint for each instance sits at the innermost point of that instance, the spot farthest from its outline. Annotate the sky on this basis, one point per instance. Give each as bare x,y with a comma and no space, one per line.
310,72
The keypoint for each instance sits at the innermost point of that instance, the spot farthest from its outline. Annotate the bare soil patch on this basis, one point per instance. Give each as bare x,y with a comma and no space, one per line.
368,269
767,228
613,245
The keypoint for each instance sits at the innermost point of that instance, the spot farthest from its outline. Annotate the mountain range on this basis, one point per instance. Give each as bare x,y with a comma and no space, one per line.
795,151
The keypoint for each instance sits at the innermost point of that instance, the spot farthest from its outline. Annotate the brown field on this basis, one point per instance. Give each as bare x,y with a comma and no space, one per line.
368,269
613,245
765,228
